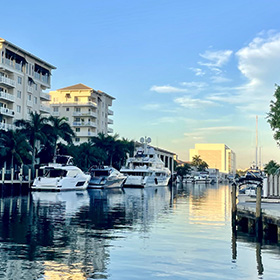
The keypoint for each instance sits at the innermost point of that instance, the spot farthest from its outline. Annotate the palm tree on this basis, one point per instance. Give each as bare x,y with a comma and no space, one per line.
271,167
196,161
14,146
34,131
59,128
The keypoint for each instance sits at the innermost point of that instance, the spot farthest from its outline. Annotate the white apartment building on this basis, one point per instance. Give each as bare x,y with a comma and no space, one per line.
23,79
86,110
217,156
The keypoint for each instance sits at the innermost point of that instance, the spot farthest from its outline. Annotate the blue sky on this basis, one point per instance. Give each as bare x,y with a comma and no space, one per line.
182,72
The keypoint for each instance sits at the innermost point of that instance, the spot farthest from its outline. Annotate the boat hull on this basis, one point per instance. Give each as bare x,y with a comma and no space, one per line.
106,184
140,182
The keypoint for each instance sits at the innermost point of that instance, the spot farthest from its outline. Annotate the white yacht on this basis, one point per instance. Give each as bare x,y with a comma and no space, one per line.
105,177
145,168
61,176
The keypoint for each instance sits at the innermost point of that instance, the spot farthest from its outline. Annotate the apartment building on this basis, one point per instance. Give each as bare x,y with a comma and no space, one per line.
86,110
217,156
23,80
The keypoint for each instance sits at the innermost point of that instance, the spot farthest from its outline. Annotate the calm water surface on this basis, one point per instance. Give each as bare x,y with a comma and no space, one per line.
180,232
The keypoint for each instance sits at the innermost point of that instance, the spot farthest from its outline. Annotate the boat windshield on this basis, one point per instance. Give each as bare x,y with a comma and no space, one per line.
54,173
100,173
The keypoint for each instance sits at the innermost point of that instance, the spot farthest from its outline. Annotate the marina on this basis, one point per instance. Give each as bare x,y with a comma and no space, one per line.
167,232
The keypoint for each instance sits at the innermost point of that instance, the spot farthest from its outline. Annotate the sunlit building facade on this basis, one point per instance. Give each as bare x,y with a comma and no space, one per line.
218,156
23,80
86,110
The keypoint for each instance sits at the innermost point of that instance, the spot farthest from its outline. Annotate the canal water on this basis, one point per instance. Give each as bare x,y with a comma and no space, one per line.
179,232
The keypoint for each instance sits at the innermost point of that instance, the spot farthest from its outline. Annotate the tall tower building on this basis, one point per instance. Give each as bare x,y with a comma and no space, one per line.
86,110
23,80
218,156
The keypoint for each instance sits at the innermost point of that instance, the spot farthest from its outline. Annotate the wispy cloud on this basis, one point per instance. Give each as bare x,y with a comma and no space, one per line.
216,59
194,103
168,89
198,71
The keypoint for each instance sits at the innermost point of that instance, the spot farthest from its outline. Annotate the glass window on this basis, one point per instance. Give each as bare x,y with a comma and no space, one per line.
18,94
78,129
19,80
67,109
18,109
35,99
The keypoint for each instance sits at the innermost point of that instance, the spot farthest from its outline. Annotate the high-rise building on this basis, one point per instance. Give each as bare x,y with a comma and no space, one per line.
218,156
23,79
86,110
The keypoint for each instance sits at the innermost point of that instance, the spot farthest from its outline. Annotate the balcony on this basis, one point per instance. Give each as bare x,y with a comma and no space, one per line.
11,66
84,124
110,112
85,114
55,114
86,134
110,121
5,126
6,112
29,103
110,130
7,82
45,109
45,96
6,96
30,89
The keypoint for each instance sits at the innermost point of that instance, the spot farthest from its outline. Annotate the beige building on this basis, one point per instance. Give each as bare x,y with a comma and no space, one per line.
218,156
86,110
23,80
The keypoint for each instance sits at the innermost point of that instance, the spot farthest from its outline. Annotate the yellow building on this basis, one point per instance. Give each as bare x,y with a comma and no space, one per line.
218,156
85,109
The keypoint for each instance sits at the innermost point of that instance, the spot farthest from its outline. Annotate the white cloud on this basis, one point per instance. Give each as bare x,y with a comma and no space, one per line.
192,103
216,59
220,79
151,107
197,71
198,85
167,89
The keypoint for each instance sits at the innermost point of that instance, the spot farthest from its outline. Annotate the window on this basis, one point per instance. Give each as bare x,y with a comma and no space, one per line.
76,99
19,80
36,86
29,97
77,119
78,129
18,109
77,109
67,109
55,109
35,100
18,94
67,95
77,139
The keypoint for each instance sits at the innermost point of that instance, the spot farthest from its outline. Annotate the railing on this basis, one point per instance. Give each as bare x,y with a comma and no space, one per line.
55,114
5,126
12,64
84,114
110,112
110,130
29,103
45,96
7,96
45,109
7,81
86,134
271,186
84,124
110,121
7,112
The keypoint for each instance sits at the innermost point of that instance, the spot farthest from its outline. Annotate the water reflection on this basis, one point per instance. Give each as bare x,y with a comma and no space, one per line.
151,233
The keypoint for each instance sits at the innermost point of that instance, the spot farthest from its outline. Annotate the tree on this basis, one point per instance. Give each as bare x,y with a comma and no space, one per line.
183,170
14,147
203,166
59,128
271,167
33,128
273,117
196,161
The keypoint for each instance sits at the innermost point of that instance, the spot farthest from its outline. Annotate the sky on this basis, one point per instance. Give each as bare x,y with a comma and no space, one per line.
182,72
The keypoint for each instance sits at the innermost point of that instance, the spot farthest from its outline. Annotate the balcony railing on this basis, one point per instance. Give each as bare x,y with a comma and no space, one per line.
29,103
110,121
55,114
45,96
5,126
84,124
45,109
7,82
6,112
6,96
85,114
110,130
110,112
86,134
11,65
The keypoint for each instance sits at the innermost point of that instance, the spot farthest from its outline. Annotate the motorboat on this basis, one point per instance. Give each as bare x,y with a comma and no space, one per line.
145,168
61,175
105,177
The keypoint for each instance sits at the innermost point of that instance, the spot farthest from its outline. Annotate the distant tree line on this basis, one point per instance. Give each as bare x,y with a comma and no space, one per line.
40,138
